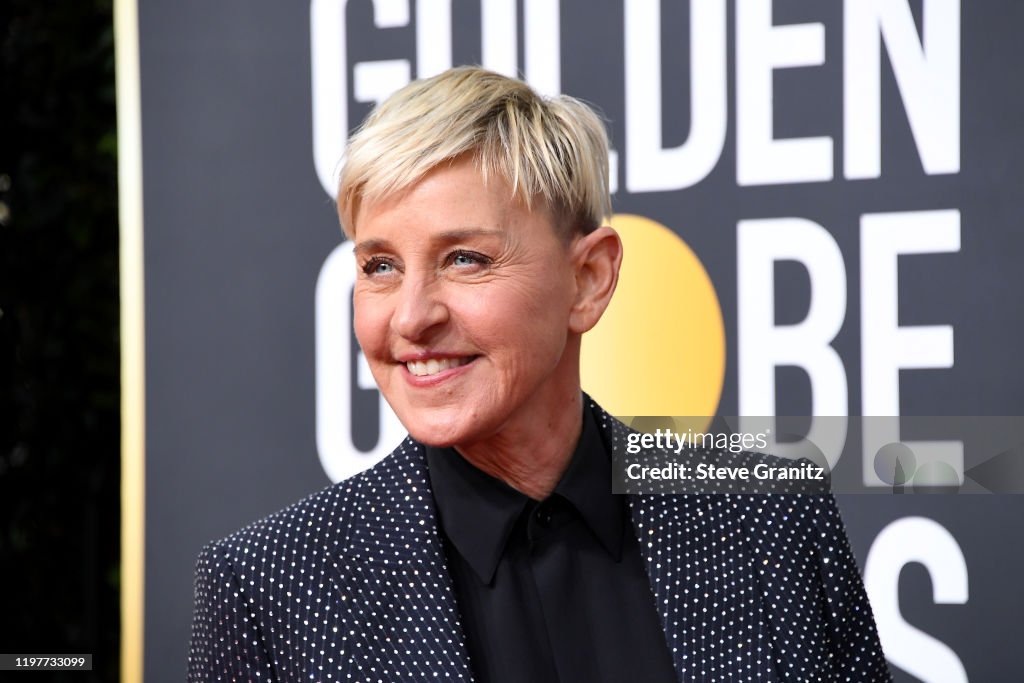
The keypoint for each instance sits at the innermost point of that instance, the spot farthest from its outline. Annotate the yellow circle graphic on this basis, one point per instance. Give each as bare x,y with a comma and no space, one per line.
660,347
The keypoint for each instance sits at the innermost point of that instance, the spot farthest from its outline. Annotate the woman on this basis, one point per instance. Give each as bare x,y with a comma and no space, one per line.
488,546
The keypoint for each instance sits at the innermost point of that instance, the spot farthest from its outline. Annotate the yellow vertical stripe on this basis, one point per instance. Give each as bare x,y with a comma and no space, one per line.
133,406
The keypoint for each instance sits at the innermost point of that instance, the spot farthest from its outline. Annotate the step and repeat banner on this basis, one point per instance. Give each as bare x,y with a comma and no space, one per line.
820,204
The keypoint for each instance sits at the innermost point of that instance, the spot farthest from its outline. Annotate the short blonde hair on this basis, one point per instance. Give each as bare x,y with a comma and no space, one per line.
552,149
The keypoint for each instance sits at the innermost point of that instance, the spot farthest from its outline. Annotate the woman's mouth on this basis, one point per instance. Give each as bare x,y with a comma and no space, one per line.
434,366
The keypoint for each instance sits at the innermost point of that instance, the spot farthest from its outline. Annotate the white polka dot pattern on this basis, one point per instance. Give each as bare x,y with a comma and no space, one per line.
350,584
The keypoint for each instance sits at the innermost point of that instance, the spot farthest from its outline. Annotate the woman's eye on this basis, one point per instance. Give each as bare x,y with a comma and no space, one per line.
378,266
463,259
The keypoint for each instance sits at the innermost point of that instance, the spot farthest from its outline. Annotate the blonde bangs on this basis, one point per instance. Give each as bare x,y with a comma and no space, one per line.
550,149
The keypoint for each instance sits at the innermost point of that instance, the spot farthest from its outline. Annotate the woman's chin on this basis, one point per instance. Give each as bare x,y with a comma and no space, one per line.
439,431
431,430
437,438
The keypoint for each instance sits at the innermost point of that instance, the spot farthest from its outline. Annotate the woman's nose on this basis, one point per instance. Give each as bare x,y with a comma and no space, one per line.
420,308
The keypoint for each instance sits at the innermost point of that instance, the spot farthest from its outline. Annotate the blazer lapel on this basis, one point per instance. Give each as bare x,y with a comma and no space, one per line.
394,587
704,580
705,587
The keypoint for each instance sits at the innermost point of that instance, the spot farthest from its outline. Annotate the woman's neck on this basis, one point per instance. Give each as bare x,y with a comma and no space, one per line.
531,455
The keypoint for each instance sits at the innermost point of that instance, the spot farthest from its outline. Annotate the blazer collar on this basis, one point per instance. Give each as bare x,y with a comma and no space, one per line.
385,533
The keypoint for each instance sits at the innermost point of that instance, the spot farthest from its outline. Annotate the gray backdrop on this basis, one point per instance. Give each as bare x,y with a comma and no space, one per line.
238,228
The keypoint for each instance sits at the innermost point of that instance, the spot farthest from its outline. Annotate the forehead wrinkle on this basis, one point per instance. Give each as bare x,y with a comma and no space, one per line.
460,234
445,237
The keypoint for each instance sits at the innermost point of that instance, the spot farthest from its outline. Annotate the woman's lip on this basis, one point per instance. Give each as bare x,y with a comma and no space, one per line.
442,376
430,355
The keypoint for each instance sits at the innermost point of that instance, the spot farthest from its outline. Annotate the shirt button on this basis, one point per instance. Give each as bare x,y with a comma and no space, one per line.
543,517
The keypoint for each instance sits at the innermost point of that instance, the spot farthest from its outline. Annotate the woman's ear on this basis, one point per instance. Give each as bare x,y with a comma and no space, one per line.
596,258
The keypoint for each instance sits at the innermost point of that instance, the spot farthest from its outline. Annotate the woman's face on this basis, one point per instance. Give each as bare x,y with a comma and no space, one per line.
462,307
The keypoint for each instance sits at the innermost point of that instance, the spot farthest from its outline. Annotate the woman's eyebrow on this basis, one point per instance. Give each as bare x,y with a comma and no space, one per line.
459,234
373,244
445,237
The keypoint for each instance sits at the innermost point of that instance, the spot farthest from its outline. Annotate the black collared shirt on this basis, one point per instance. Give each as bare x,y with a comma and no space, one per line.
554,590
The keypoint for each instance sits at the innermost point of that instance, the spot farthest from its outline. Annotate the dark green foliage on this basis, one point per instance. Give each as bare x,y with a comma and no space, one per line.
59,374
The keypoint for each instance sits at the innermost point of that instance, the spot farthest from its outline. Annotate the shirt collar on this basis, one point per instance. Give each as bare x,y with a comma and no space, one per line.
478,512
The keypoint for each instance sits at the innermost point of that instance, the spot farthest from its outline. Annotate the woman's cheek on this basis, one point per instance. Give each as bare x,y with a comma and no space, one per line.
370,323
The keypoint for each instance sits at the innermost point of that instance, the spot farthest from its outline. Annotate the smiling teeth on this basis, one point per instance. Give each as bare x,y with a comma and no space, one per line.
425,368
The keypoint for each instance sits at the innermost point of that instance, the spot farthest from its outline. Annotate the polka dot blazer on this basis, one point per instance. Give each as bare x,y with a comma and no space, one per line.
350,584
